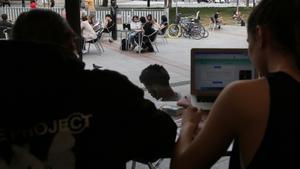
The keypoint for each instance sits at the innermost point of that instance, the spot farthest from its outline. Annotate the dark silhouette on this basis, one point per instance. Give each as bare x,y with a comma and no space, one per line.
59,115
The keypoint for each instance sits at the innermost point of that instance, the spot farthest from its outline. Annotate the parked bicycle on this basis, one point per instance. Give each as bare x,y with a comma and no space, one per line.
189,28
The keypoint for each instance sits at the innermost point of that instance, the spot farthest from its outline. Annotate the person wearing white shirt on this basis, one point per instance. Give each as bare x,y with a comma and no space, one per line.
135,23
87,30
135,26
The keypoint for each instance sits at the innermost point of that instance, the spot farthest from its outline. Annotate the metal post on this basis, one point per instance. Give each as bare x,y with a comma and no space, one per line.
176,7
23,3
237,6
73,18
148,3
113,11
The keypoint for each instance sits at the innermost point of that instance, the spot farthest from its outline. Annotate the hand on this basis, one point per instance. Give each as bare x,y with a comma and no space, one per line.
195,118
191,115
184,102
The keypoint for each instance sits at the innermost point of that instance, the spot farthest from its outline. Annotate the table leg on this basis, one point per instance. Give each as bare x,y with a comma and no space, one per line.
140,46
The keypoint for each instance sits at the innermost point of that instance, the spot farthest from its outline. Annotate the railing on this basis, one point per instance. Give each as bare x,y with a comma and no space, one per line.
124,13
14,12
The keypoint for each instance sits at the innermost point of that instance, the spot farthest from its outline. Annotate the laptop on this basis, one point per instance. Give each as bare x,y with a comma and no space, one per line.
126,25
213,69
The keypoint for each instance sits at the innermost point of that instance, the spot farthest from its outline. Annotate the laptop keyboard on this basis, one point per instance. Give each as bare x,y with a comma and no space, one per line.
206,98
205,105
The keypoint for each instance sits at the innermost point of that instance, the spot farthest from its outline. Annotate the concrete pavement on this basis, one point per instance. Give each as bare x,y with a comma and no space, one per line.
174,56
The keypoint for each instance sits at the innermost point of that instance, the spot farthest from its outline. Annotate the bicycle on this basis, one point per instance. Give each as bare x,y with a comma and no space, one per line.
189,28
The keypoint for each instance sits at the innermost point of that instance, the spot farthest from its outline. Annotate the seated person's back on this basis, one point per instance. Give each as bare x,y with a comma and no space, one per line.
87,30
62,120
4,24
164,24
148,30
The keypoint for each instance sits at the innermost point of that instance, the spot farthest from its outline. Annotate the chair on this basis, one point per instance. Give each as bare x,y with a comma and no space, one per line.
8,33
97,26
108,30
2,34
153,41
96,42
163,35
151,165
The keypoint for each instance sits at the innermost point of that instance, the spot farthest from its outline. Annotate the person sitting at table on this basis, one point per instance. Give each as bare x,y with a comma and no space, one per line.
87,30
96,25
146,42
156,80
4,25
108,25
5,22
259,115
155,25
147,29
163,25
135,26
139,34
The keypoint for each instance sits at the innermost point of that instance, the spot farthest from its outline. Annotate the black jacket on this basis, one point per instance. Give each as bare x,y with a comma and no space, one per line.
68,116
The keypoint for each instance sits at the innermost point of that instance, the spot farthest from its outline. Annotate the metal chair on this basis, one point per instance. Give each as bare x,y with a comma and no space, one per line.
153,41
96,42
8,33
154,165
163,36
2,34
108,30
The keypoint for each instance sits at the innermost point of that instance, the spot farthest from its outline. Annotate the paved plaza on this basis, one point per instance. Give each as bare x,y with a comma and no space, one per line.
174,56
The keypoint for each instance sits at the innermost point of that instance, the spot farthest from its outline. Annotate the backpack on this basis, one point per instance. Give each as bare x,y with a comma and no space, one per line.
125,45
243,23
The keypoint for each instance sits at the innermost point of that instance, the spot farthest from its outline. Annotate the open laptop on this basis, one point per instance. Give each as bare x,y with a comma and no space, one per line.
126,25
213,69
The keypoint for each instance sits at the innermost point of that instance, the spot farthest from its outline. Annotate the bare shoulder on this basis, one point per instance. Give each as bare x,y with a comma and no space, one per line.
243,100
247,93
245,88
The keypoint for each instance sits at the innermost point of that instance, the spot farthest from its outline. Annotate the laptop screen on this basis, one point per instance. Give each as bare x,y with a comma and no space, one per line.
213,69
126,25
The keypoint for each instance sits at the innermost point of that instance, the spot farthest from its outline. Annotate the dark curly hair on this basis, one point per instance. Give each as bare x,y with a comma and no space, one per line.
155,74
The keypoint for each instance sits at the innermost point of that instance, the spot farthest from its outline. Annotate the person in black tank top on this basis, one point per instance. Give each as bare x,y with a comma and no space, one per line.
278,148
259,116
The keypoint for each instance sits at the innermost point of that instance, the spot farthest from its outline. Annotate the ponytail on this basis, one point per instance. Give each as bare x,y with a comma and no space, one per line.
282,19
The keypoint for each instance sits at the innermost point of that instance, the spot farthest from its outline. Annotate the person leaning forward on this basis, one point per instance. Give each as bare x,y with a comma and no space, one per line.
62,115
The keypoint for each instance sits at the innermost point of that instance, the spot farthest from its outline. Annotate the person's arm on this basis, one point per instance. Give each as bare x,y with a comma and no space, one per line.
162,26
222,125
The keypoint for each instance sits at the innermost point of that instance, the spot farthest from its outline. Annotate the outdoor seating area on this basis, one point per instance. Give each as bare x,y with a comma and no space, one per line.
149,88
